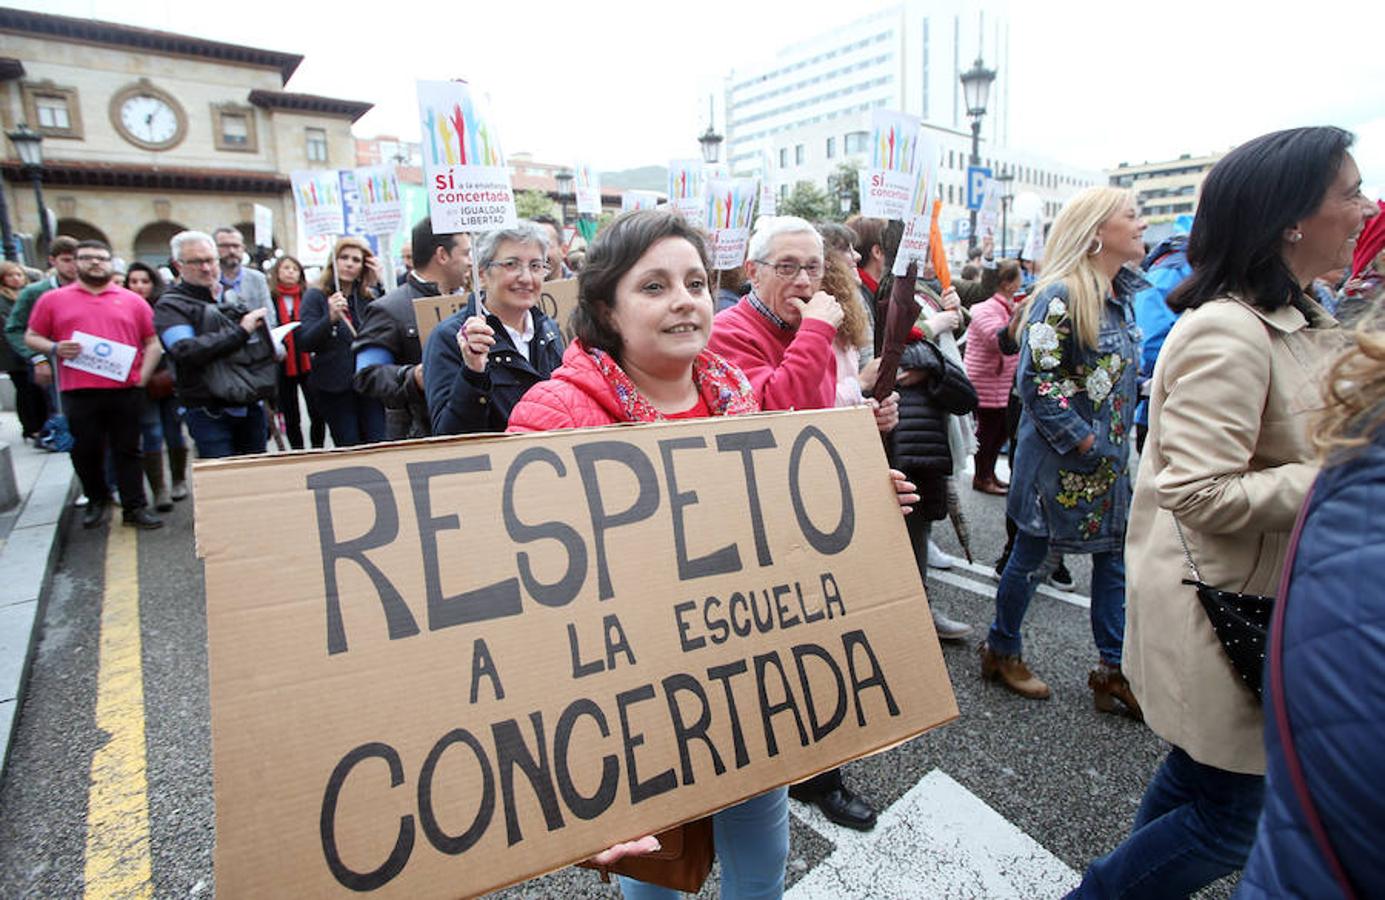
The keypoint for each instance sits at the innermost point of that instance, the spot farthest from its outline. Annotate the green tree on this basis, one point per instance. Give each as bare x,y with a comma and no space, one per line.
808,201
534,203
846,175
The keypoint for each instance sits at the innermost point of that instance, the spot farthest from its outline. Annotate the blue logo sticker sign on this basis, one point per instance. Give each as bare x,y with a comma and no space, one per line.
977,176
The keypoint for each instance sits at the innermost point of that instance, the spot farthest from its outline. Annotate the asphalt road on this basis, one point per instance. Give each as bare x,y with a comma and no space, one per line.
1068,777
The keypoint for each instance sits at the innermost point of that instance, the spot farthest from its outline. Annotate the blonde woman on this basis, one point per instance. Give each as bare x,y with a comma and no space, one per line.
1070,484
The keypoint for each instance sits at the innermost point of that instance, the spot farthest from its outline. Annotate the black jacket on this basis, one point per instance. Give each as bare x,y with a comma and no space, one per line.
329,342
462,401
387,351
194,331
919,446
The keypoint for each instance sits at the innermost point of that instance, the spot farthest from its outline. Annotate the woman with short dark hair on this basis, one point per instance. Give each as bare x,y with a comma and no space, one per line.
1226,467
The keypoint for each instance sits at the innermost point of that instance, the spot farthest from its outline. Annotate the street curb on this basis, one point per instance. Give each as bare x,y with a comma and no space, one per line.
27,561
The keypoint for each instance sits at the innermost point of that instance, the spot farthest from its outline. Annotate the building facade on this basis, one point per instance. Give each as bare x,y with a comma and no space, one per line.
148,133
806,111
1165,190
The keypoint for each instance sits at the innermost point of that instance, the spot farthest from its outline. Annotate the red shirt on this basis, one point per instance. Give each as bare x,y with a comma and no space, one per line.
114,314
698,410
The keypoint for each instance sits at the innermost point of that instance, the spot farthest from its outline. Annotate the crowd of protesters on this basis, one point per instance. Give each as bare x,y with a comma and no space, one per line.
1203,360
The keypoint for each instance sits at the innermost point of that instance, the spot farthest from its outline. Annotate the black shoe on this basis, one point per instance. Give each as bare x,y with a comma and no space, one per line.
141,518
94,516
1061,577
839,805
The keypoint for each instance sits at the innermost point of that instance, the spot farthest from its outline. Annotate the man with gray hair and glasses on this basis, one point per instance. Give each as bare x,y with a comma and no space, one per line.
195,332
479,362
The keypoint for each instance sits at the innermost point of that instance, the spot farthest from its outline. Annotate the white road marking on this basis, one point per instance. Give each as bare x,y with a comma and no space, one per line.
987,589
938,840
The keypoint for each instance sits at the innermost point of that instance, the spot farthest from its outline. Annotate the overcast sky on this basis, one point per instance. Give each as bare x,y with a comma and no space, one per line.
624,84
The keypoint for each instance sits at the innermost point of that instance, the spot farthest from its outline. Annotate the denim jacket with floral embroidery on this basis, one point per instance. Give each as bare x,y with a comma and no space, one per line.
1080,501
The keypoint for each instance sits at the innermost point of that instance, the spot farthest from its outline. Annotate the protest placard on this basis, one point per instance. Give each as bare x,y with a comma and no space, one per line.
318,202
380,205
264,226
498,655
587,184
465,174
687,188
887,182
102,356
988,218
638,200
918,216
430,311
730,205
557,300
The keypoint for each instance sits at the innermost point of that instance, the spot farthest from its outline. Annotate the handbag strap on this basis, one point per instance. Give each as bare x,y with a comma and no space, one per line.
1281,713
1187,554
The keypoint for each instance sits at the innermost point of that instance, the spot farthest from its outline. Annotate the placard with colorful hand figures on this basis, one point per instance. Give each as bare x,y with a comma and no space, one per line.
465,175
686,192
638,200
730,205
587,182
318,202
918,221
888,182
381,206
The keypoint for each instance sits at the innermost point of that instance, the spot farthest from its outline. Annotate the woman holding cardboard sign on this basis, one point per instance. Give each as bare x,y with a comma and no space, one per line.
642,322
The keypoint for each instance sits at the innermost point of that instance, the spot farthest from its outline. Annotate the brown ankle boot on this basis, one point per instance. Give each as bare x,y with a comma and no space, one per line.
178,466
1011,672
1111,692
154,472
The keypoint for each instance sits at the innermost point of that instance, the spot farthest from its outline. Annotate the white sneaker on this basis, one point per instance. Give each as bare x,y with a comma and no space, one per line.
937,559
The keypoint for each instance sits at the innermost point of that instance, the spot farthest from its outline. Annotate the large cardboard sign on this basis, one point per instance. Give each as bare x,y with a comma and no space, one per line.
486,658
557,300
465,174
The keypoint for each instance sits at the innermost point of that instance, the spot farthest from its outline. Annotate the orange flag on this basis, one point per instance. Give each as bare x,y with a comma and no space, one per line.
936,250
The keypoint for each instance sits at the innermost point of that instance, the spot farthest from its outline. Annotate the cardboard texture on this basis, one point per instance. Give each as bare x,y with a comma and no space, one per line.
557,301
454,664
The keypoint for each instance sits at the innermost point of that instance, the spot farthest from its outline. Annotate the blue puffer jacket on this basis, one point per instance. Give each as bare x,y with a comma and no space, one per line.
1165,267
1334,673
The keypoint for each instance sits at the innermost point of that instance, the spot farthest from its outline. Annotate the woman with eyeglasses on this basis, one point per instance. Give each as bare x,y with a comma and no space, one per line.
331,315
479,362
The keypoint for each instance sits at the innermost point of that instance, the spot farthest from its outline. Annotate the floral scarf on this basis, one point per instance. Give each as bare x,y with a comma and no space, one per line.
723,387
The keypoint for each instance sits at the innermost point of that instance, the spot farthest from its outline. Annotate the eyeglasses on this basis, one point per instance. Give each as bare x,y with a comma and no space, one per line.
789,270
204,262
537,267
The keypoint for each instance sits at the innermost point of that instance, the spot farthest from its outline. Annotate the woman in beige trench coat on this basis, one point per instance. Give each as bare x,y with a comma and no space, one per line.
1228,455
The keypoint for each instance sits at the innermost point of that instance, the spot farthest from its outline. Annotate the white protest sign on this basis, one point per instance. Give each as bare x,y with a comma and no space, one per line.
730,205
686,186
381,206
317,198
465,176
638,200
1034,244
102,356
769,202
888,182
588,187
989,216
918,221
264,226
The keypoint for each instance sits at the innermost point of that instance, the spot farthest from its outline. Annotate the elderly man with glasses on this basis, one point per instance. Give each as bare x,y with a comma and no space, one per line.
480,361
780,335
103,336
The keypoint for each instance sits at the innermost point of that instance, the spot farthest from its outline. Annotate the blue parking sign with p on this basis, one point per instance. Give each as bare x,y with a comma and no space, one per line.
977,176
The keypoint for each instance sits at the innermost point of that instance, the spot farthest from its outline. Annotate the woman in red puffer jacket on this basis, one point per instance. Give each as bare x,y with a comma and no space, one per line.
992,373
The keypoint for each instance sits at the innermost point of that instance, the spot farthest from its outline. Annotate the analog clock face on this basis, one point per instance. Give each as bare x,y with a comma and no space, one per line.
149,119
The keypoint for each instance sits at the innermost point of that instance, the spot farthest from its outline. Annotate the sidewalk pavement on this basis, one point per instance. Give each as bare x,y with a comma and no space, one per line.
30,541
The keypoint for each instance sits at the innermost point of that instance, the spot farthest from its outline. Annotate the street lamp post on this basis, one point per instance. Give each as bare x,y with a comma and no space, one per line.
564,180
29,145
710,140
844,195
1005,178
6,233
976,89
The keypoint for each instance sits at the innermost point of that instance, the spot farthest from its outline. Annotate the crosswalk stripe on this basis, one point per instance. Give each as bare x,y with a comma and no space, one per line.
117,850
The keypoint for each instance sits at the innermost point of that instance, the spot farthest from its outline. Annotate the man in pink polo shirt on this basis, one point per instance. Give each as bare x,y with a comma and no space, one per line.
103,336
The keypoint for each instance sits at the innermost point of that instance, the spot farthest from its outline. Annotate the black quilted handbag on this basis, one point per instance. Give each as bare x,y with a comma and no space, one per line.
1241,621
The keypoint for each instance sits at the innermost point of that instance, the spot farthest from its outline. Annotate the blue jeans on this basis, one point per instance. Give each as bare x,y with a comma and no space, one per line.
160,425
218,433
1196,824
353,418
752,842
1023,572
